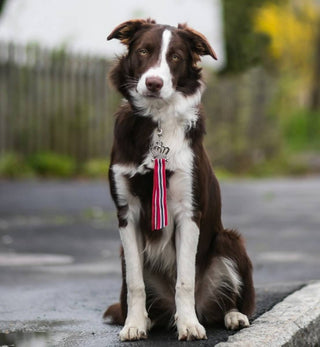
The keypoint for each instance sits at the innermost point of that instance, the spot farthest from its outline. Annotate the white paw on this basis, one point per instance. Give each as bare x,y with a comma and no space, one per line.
131,333
135,330
190,330
235,320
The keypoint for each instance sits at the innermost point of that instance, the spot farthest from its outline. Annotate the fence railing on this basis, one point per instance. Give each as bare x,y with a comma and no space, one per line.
52,101
241,121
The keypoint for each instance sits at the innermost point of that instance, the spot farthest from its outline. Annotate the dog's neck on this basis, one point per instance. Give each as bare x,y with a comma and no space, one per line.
179,110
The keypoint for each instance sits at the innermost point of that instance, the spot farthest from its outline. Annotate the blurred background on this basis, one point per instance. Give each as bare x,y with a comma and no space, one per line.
262,99
59,249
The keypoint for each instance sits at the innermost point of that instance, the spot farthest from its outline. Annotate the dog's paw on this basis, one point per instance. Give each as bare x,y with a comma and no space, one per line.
131,333
235,320
188,330
135,330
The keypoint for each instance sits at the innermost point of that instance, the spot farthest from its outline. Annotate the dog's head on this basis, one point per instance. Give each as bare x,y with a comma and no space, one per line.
160,63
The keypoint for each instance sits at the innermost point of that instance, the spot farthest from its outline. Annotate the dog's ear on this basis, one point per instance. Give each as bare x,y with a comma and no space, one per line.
199,44
125,31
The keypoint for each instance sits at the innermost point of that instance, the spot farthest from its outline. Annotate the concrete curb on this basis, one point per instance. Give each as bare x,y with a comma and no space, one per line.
293,322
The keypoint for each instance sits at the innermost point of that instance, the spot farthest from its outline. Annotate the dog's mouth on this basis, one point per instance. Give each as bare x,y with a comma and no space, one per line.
152,95
148,94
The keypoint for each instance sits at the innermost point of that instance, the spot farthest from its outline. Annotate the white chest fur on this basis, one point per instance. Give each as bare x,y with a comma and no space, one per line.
180,156
161,254
180,161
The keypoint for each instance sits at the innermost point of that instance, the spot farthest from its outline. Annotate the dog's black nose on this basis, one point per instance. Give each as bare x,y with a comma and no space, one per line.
154,84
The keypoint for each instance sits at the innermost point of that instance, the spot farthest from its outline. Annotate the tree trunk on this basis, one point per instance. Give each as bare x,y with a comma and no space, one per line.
2,2
315,91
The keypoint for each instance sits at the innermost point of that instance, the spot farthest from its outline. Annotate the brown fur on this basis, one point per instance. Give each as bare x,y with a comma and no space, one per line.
131,143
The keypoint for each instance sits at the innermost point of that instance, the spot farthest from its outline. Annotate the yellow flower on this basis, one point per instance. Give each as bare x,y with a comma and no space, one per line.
291,28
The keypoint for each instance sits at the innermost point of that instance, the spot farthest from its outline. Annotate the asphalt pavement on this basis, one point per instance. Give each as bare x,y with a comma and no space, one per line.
59,256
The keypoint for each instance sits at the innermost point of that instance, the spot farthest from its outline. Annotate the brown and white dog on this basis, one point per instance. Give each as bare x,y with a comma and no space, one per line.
193,271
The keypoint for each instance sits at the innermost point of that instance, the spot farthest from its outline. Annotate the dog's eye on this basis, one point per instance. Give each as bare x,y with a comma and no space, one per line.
143,52
175,58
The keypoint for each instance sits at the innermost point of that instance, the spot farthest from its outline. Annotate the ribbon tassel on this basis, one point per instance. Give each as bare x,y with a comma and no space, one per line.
159,195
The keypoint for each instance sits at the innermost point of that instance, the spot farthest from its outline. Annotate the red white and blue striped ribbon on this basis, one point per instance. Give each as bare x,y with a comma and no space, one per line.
159,195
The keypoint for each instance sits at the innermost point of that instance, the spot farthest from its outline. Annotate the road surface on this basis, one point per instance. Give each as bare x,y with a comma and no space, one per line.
59,255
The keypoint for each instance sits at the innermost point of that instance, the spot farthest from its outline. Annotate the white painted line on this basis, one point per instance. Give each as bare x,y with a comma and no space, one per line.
106,267
293,322
26,259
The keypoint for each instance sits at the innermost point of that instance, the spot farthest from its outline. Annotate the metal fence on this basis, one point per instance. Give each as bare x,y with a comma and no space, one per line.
53,101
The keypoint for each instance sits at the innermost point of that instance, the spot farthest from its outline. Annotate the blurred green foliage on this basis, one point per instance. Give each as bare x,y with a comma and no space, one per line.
52,164
14,165
281,165
280,38
259,118
96,168
244,46
302,131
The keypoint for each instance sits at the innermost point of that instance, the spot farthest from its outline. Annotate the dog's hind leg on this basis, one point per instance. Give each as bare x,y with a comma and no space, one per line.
234,320
231,245
113,314
225,292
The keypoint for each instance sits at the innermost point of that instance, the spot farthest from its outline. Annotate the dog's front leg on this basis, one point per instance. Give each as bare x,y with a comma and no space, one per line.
188,326
137,321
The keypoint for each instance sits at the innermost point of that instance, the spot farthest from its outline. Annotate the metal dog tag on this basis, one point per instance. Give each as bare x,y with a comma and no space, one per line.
157,149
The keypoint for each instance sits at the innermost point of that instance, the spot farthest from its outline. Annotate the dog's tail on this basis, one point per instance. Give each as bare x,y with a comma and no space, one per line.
113,314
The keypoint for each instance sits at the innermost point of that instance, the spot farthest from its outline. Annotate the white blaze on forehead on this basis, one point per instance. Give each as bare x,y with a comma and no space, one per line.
161,70
166,38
